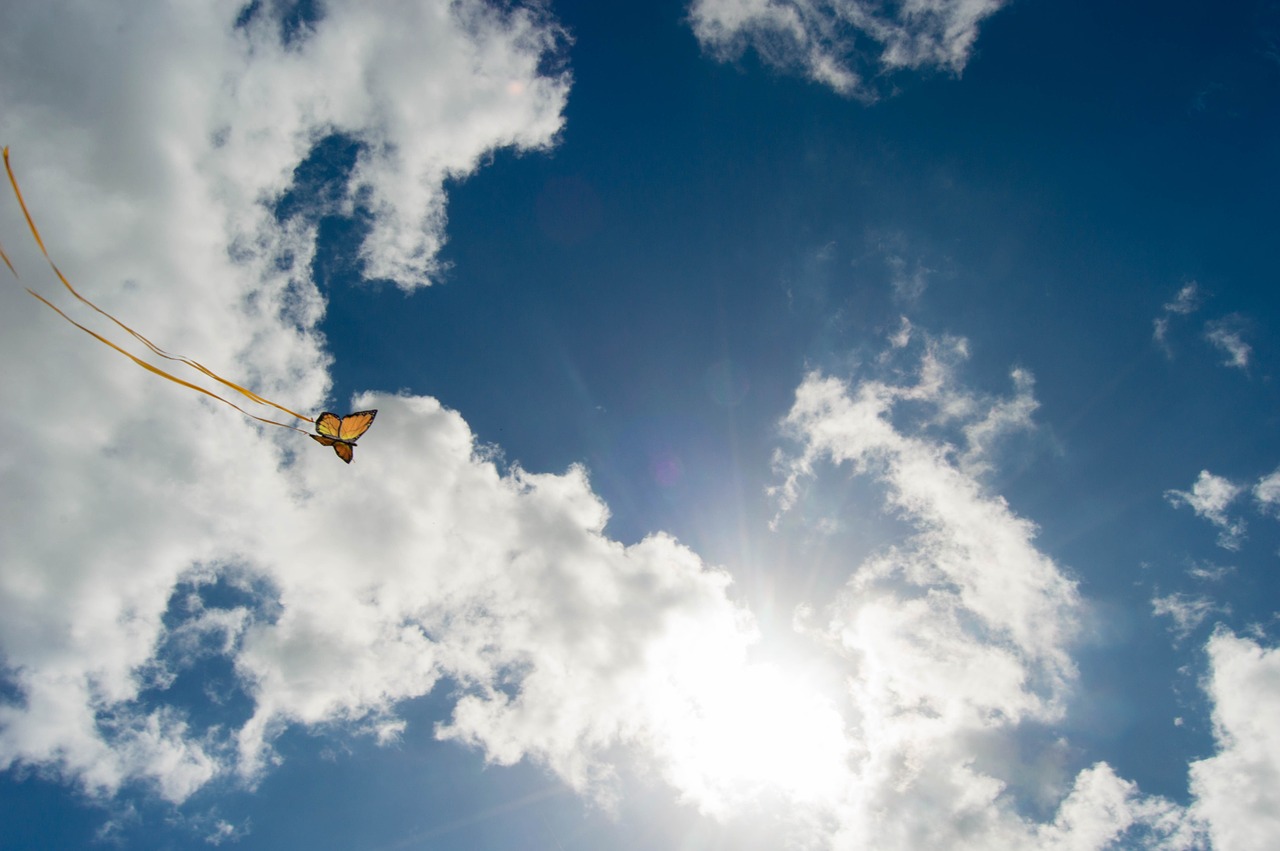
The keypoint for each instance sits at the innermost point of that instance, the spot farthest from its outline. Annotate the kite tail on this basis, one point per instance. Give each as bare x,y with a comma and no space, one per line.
5,258
157,370
35,232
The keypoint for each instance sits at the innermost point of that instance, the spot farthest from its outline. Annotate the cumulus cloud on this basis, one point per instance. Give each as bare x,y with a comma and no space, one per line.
1237,790
149,532
970,544
1209,497
843,43
426,88
153,140
956,636
565,643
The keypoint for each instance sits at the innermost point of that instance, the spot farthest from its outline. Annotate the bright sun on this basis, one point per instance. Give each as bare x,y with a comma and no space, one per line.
744,729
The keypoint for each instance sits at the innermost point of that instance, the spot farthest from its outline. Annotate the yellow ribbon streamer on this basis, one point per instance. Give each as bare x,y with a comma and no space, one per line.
35,232
157,370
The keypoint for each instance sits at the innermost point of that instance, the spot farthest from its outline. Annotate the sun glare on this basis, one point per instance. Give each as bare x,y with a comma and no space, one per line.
758,731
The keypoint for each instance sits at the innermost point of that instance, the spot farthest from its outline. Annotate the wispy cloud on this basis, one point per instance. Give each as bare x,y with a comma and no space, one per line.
1266,493
1185,611
1228,335
1185,302
908,284
1004,417
1210,497
901,337
221,831
843,43
1208,572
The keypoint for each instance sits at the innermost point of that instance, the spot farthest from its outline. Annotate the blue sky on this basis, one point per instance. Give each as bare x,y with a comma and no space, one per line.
801,424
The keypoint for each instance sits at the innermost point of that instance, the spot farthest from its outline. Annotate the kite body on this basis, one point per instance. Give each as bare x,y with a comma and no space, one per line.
341,432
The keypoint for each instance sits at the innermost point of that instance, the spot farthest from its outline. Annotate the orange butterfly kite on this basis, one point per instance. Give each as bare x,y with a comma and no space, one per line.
340,433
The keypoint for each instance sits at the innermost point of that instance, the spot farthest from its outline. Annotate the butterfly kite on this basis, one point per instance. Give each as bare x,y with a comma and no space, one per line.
341,432
331,430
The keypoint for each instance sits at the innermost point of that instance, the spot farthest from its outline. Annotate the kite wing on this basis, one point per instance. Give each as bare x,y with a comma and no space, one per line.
328,425
354,425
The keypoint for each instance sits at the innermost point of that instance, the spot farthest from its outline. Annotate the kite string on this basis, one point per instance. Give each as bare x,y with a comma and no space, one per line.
35,232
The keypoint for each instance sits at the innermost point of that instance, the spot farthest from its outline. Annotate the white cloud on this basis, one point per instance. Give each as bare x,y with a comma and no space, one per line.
1209,572
1005,416
957,636
908,286
1228,335
843,43
567,644
1160,330
1266,493
972,550
1187,301
1106,811
151,139
428,87
224,831
902,336
1237,790
1209,497
1186,612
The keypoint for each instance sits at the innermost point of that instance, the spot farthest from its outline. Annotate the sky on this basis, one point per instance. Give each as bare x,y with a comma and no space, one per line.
817,424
